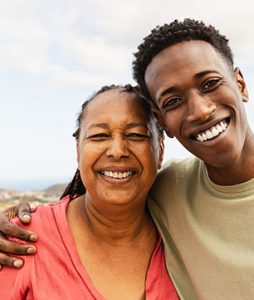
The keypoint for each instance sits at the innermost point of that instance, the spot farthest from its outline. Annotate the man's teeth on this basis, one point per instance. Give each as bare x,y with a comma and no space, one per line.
212,132
118,175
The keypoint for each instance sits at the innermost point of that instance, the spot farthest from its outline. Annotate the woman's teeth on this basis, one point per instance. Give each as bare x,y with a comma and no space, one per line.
118,175
212,132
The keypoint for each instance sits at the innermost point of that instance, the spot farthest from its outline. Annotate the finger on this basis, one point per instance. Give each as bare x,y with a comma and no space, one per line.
9,213
13,230
10,247
10,261
24,212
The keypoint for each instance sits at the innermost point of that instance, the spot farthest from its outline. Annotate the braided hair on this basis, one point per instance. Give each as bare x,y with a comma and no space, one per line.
170,34
76,186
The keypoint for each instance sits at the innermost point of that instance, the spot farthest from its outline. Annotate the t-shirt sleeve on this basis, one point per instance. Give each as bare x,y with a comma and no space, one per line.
14,282
11,284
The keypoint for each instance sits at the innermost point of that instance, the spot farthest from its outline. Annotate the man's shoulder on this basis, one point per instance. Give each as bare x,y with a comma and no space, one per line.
178,168
174,175
173,181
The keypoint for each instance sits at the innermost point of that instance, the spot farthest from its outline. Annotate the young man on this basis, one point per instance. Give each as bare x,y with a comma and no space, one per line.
204,206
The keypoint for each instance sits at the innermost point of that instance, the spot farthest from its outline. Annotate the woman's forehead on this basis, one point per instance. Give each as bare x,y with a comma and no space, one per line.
114,100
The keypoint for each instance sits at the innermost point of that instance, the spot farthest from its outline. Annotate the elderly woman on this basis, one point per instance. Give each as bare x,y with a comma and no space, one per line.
103,243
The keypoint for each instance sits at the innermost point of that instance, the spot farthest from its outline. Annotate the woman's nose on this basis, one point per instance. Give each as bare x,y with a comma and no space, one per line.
118,148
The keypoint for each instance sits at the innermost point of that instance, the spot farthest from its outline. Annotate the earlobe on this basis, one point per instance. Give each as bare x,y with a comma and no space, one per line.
169,134
77,152
161,153
241,84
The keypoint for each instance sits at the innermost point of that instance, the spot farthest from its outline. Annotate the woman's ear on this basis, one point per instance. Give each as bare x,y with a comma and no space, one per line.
78,156
161,153
241,84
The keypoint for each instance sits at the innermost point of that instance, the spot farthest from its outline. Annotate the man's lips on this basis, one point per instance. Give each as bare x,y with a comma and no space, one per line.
212,132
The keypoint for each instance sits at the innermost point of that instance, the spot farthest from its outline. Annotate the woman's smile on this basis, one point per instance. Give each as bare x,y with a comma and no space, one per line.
117,174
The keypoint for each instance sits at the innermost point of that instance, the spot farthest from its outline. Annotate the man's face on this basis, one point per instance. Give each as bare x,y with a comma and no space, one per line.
201,100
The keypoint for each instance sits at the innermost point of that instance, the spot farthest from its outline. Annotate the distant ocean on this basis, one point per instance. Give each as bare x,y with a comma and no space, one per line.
31,184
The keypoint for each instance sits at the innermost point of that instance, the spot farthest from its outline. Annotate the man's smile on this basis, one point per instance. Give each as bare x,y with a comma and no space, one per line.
213,131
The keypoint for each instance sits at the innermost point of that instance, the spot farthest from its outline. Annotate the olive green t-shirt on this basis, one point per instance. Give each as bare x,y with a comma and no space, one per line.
208,232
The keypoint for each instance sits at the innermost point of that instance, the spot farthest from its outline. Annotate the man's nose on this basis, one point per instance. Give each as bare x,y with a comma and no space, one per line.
200,107
118,147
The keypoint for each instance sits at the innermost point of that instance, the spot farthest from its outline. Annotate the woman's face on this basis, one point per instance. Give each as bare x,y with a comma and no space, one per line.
118,155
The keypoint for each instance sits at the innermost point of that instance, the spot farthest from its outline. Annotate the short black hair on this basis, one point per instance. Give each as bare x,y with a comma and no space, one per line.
177,31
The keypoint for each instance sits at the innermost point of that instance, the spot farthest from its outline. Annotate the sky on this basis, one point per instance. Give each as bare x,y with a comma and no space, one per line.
55,54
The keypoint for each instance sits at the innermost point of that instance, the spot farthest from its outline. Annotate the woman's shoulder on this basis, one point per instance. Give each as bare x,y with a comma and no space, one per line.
45,214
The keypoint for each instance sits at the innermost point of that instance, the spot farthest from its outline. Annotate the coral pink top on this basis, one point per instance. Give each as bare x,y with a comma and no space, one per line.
56,271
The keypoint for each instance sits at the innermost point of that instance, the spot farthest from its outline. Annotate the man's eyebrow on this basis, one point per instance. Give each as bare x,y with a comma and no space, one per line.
167,91
203,73
172,89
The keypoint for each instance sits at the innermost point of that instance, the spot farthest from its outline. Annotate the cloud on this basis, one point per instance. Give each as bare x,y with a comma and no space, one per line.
89,39
63,51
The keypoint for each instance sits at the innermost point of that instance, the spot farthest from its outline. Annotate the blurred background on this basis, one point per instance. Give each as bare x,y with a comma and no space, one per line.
54,54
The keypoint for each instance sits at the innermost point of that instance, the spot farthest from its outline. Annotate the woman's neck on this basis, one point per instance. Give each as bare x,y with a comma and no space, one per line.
116,224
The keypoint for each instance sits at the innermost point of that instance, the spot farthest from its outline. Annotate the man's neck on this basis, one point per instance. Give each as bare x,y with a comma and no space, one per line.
234,174
239,169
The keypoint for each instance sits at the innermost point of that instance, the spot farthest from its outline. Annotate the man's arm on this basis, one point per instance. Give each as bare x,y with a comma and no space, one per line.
7,229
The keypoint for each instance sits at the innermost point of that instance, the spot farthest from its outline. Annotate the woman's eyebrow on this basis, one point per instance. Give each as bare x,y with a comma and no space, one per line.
136,124
100,125
128,126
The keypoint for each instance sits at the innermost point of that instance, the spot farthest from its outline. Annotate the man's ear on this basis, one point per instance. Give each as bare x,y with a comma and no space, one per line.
241,84
162,123
161,153
169,134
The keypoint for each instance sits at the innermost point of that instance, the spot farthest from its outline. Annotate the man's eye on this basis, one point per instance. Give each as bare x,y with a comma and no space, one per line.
172,103
137,136
98,136
211,84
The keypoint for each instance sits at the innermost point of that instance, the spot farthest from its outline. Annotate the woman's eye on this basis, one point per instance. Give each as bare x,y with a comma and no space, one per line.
137,136
98,136
172,103
211,84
